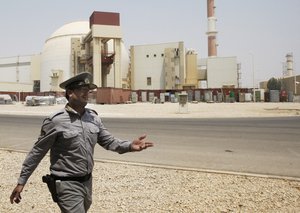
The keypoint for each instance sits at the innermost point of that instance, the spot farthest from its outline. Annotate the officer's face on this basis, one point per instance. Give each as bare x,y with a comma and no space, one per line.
79,96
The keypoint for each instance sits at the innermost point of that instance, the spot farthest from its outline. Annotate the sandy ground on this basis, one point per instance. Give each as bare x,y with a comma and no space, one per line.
129,188
135,188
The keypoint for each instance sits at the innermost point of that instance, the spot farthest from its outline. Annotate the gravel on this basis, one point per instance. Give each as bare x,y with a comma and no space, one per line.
121,187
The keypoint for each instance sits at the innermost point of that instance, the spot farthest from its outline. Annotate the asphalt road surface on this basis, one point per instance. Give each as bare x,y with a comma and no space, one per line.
269,146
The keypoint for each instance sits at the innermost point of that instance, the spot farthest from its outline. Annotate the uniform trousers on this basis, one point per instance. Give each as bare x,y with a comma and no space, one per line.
74,196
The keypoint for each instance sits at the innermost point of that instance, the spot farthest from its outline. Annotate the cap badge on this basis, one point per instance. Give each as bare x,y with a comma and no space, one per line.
87,81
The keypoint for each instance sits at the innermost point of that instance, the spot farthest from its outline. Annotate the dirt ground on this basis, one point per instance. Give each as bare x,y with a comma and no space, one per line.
121,187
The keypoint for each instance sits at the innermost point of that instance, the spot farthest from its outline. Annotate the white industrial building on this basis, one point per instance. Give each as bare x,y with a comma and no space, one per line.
157,66
153,67
93,46
218,72
96,46
56,54
167,66
19,73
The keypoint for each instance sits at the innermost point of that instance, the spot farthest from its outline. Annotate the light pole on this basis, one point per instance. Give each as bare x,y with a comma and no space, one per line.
252,57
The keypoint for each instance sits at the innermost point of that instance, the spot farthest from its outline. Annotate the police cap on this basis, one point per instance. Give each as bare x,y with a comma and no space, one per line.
80,80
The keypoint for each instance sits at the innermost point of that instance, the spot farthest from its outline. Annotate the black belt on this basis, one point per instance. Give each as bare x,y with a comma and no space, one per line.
79,179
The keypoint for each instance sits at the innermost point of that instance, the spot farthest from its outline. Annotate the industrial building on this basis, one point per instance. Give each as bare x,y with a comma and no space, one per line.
96,46
157,66
290,82
19,73
170,66
93,46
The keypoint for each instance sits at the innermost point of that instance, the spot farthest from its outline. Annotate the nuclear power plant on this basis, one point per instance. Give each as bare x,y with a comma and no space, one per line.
141,73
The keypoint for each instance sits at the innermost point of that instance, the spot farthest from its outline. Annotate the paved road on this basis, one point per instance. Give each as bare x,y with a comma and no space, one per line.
252,145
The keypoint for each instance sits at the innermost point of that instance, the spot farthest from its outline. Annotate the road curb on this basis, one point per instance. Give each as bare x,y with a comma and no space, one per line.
181,168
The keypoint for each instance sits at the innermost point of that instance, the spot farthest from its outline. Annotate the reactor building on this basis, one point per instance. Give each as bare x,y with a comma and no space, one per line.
96,46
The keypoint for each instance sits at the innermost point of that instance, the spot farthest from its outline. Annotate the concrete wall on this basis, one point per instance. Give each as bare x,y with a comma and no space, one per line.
35,67
106,31
16,74
191,69
290,84
171,69
287,83
147,61
221,71
108,95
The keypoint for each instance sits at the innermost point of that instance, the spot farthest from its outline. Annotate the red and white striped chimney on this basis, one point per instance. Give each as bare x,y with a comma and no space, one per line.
211,32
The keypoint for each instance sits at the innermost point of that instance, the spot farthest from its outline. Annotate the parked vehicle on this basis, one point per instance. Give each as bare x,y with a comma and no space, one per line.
39,100
5,99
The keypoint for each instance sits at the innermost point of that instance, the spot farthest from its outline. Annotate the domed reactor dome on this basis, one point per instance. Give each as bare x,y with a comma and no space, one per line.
56,53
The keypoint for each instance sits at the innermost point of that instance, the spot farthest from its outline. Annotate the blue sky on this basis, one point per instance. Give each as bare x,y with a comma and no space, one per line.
262,30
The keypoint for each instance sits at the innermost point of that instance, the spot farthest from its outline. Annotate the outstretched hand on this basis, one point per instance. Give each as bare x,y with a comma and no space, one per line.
139,144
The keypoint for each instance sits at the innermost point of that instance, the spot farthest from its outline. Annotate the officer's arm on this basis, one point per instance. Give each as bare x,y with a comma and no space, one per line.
109,142
39,150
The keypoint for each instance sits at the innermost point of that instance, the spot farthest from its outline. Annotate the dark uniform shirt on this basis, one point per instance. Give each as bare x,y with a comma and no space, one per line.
71,139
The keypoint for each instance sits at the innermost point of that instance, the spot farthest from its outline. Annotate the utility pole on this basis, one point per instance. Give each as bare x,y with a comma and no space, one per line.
17,69
252,57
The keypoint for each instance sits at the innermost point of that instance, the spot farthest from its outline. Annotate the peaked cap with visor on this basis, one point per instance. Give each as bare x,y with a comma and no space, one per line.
81,80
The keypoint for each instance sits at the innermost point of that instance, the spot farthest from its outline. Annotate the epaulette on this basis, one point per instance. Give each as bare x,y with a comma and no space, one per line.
56,114
92,110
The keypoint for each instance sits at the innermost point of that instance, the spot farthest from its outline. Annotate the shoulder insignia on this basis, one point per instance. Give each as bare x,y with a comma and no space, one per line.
56,114
92,111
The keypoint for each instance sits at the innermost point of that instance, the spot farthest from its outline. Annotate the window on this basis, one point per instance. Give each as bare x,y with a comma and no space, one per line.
154,55
148,81
36,86
147,56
